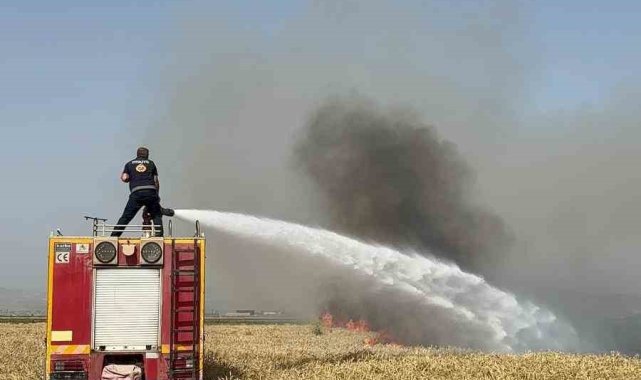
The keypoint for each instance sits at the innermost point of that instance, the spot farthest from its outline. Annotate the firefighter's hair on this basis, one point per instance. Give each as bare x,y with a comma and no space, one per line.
142,152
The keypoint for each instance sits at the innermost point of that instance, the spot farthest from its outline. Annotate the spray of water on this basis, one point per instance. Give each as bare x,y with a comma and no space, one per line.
513,326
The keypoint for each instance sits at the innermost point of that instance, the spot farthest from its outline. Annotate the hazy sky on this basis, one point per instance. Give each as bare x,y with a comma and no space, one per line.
79,84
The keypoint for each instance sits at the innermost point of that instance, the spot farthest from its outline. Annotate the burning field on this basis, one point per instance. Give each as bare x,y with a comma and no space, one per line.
350,352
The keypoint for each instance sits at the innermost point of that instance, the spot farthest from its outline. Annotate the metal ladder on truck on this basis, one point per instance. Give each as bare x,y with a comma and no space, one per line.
184,355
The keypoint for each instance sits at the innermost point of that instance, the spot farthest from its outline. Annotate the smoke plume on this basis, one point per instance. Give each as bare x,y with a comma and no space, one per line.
236,103
388,177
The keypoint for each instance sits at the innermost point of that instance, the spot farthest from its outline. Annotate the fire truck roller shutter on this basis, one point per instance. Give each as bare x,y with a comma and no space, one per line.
127,309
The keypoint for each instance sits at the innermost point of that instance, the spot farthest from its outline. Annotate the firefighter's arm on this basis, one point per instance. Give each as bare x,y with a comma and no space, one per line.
124,177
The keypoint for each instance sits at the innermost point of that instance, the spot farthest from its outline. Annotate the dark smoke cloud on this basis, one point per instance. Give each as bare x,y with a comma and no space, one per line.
389,177
565,183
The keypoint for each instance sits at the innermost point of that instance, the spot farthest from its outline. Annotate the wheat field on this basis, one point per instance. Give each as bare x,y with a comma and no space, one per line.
310,352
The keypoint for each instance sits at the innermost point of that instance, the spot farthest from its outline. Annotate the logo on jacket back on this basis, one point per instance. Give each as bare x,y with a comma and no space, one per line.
140,168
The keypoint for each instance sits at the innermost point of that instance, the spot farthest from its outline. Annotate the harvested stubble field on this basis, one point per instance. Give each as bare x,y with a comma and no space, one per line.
295,352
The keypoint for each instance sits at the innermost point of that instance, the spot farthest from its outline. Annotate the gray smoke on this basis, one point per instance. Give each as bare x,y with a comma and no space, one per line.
227,121
388,177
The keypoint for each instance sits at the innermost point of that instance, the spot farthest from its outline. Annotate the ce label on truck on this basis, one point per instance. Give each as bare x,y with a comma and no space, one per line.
62,252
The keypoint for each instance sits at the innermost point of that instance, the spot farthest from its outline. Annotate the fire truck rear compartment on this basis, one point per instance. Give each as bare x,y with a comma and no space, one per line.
126,309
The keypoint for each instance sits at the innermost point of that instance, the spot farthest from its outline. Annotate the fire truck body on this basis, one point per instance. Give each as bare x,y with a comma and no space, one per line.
125,301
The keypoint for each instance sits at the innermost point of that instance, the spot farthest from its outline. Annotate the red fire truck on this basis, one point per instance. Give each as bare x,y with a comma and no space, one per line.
128,301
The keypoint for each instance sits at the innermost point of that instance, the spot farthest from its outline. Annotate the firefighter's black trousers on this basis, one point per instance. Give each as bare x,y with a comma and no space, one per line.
137,200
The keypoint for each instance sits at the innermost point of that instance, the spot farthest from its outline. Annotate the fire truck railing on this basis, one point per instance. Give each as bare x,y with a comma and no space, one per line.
100,228
104,229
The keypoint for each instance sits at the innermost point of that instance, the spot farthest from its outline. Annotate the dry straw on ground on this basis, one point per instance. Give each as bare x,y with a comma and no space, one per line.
296,352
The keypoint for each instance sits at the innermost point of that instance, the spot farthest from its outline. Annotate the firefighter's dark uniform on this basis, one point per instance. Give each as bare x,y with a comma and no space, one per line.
142,184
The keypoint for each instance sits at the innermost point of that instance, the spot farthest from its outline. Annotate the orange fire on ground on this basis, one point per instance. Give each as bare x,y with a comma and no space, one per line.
380,337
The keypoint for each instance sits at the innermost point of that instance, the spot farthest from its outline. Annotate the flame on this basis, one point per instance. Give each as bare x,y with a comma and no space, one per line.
360,325
380,337
327,320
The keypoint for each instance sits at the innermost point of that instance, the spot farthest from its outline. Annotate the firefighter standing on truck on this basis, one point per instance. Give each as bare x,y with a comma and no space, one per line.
142,175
